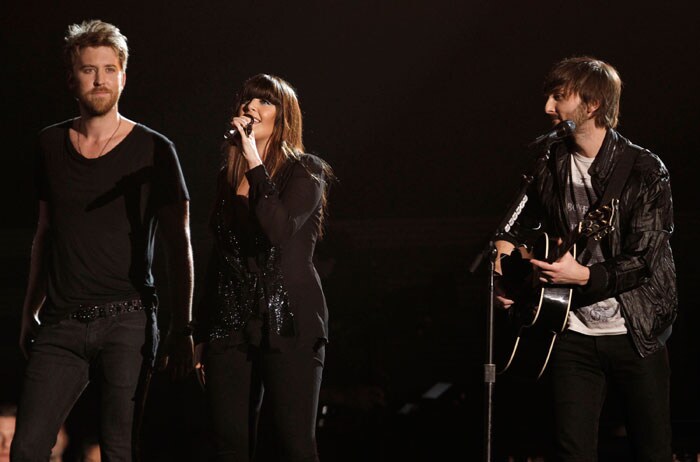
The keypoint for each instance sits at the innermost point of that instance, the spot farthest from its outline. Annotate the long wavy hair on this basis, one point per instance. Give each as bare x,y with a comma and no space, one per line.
285,143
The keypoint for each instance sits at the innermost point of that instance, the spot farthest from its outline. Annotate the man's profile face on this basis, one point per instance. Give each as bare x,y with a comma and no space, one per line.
563,105
97,79
7,432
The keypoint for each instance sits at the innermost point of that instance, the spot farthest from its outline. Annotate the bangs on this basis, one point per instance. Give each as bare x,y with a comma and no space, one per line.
578,75
262,88
564,82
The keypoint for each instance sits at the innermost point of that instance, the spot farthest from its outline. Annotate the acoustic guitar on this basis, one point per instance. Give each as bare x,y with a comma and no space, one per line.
525,333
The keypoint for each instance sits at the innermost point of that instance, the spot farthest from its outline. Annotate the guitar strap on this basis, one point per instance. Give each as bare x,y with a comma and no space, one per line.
620,174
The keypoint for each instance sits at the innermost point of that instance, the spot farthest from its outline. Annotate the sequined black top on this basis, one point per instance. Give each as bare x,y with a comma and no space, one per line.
261,286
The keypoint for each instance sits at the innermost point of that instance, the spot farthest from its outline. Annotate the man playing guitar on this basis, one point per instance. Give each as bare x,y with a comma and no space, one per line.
624,286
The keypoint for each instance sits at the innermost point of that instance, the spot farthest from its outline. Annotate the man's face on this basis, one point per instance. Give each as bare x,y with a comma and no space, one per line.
7,432
561,106
97,79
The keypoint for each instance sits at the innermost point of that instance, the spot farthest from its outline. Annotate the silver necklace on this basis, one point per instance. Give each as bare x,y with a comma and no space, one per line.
80,124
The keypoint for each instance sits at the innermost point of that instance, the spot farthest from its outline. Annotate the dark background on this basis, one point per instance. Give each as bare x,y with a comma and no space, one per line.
424,110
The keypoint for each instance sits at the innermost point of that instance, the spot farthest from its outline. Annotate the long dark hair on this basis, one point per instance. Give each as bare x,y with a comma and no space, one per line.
285,143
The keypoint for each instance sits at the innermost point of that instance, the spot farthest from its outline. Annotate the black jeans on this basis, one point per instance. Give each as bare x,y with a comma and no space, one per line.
237,377
582,367
64,358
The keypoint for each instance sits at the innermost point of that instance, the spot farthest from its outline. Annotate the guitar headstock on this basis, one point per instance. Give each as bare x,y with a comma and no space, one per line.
597,223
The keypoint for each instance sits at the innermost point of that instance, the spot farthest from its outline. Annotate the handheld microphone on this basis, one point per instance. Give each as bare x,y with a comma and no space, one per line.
561,130
232,136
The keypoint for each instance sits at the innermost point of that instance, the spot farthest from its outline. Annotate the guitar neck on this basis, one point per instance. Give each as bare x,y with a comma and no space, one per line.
596,224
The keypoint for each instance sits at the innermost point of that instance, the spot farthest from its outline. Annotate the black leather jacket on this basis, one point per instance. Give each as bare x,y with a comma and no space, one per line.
638,269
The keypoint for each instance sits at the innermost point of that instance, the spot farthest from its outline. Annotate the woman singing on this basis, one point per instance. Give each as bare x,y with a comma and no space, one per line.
263,316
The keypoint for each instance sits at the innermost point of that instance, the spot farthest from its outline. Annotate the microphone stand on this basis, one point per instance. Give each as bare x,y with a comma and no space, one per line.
507,221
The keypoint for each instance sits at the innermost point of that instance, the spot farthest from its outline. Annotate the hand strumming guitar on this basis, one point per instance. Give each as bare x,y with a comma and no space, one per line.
566,270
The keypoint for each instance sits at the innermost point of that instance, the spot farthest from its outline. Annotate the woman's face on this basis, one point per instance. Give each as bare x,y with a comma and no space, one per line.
264,114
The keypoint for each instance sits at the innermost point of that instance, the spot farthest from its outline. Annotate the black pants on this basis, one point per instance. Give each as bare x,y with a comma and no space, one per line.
582,367
237,377
60,363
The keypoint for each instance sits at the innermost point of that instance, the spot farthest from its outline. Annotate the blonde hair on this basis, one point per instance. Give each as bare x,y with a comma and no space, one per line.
94,33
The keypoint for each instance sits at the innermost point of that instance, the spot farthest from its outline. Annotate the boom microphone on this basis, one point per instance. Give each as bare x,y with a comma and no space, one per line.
561,130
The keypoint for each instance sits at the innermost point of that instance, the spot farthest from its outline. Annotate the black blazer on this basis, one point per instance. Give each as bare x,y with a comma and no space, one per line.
280,278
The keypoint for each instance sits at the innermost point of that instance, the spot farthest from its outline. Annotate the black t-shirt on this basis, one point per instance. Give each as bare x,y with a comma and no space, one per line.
103,215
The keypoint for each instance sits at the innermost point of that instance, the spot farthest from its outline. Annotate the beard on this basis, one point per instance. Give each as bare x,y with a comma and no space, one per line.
98,104
580,115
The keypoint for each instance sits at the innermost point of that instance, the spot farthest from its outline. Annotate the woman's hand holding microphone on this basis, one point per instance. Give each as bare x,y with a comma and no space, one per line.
243,133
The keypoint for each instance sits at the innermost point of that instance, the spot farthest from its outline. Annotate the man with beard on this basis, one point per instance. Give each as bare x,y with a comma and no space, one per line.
104,185
624,286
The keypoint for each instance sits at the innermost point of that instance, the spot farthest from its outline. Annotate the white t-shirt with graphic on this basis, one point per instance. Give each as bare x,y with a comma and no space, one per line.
603,317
